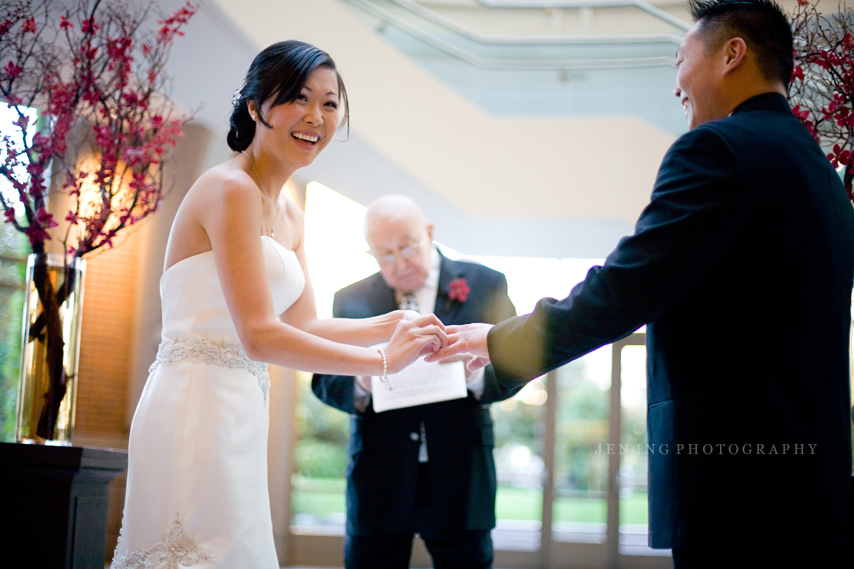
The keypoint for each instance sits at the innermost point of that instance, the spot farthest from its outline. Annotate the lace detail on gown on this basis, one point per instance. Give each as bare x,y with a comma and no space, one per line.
215,353
173,548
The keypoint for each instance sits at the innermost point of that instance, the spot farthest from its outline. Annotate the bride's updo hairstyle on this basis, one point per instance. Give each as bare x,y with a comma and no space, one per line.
278,72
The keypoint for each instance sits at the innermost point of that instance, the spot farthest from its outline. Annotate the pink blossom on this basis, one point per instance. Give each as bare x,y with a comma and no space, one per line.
88,51
29,26
65,23
800,113
37,230
35,169
92,96
13,70
171,26
41,143
89,26
45,219
130,97
104,137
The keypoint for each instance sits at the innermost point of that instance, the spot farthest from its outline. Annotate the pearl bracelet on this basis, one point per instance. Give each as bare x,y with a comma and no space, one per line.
384,376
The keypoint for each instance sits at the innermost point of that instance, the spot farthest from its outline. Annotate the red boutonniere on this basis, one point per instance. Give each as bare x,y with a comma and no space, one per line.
458,291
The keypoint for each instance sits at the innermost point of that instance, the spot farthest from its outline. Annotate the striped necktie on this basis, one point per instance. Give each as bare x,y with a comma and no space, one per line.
409,302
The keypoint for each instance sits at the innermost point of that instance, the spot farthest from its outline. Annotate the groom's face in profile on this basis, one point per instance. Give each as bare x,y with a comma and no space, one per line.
699,77
402,245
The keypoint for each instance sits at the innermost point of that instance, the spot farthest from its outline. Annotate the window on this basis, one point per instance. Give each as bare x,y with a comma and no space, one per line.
336,253
14,248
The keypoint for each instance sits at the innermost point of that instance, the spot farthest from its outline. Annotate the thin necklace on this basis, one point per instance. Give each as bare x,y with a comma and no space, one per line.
264,191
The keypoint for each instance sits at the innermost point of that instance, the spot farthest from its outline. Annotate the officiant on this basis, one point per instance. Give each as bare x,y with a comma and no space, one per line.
426,469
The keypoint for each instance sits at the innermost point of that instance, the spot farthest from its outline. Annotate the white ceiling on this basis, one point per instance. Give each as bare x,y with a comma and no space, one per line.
574,62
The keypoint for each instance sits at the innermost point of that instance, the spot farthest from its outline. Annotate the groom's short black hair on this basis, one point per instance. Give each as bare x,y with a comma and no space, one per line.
762,25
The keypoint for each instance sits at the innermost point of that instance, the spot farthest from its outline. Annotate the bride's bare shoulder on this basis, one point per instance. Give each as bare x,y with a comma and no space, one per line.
293,212
223,182
220,195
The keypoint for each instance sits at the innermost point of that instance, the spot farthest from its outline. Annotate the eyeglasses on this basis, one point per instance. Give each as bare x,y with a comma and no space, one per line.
408,252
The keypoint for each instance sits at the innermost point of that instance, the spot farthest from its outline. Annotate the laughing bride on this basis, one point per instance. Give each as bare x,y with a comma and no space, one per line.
236,293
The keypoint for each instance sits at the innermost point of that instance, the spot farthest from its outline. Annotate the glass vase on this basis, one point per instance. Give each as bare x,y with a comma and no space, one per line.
50,348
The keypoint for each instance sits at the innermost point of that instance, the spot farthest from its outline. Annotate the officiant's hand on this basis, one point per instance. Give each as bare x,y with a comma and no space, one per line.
469,338
415,338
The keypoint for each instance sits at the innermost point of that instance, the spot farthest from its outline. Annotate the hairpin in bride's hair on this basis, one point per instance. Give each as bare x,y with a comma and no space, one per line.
235,98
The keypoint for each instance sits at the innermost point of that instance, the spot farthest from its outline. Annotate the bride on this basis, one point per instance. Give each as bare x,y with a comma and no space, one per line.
236,292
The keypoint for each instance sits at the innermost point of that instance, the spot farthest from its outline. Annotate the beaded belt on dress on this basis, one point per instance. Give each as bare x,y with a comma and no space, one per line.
215,353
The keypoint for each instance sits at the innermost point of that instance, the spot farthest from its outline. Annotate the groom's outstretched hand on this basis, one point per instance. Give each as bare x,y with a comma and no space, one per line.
466,339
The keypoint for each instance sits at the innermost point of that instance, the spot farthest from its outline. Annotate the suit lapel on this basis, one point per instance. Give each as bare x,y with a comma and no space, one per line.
448,271
382,297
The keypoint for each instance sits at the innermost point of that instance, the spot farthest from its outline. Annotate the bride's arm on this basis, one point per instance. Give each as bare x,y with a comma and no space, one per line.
357,331
232,219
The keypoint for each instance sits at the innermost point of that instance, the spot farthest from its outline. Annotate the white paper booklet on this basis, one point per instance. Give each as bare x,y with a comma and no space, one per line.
419,384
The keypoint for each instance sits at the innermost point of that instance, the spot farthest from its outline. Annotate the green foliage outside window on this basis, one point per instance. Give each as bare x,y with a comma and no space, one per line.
322,435
320,459
582,425
13,245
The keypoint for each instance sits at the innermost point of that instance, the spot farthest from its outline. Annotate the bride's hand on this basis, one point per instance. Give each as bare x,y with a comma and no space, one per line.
409,315
402,315
413,339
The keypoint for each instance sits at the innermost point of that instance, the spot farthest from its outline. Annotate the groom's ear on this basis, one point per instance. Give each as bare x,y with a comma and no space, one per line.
733,52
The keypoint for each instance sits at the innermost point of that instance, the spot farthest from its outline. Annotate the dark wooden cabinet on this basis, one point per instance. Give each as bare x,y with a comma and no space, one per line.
849,542
53,504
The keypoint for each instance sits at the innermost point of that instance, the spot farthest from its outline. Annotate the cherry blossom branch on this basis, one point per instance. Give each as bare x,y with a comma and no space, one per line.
822,87
93,66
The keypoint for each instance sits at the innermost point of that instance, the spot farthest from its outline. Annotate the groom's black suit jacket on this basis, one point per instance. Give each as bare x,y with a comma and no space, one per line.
741,267
384,468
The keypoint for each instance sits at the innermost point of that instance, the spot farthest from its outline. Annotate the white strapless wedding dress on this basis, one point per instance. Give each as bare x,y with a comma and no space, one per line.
197,480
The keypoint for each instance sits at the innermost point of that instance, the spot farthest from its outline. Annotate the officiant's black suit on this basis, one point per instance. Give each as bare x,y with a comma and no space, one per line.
384,471
741,267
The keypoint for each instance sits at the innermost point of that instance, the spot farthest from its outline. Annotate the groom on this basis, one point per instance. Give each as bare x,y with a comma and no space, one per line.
741,267
425,469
